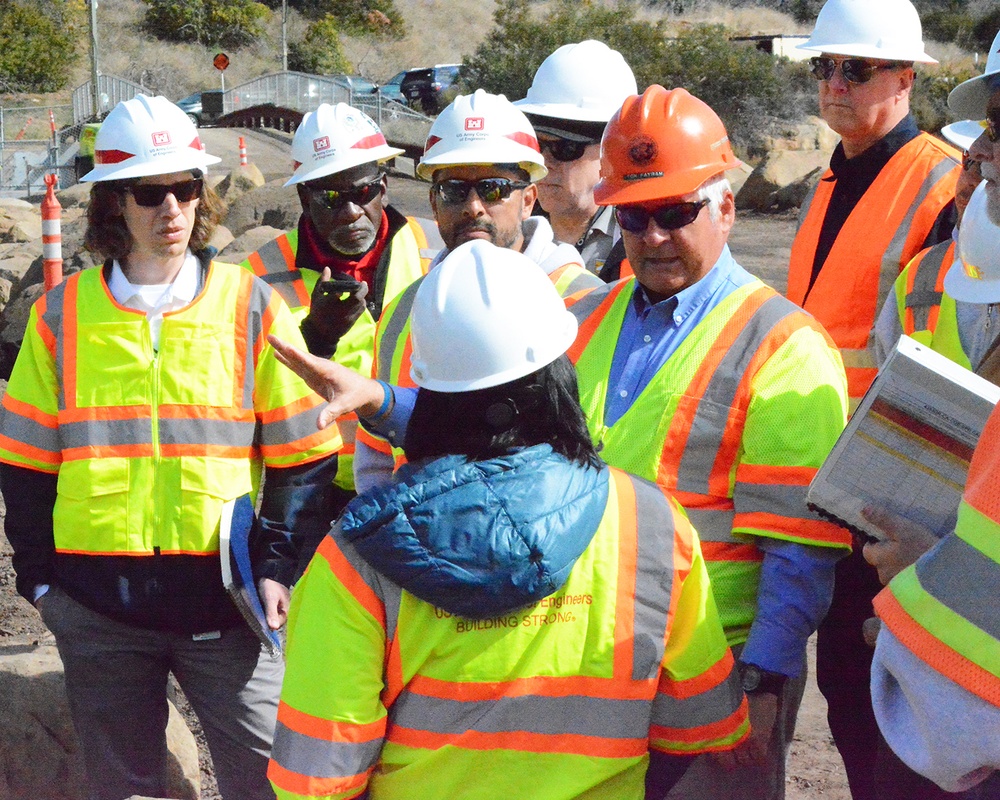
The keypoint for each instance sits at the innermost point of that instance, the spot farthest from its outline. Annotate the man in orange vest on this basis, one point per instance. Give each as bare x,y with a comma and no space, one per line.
887,195
697,376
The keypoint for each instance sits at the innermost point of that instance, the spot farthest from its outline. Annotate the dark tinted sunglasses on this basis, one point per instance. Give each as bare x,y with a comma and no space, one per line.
562,149
490,190
635,219
992,125
150,195
854,70
334,199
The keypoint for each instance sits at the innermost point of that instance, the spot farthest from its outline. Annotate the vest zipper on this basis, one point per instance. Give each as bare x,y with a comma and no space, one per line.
154,417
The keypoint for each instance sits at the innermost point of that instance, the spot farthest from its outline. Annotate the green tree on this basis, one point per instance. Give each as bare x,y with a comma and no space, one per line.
319,52
38,44
214,23
507,58
359,18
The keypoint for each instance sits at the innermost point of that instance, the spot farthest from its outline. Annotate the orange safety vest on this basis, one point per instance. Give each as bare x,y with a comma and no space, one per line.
881,235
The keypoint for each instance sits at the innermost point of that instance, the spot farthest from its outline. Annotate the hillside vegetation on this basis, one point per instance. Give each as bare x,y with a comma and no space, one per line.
674,42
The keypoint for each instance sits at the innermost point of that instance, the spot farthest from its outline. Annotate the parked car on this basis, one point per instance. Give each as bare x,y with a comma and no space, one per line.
430,88
191,105
390,90
355,84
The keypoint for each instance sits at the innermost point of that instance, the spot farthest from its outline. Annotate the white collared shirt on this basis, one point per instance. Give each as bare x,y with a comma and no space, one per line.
156,299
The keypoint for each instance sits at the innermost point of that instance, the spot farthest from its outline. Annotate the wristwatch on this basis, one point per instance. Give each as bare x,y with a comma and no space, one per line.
755,680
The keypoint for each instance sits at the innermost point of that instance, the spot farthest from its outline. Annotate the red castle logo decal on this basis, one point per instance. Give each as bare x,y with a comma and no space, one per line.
475,123
161,138
321,144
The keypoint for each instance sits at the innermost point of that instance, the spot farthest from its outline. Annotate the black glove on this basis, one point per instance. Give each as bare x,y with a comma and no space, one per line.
337,303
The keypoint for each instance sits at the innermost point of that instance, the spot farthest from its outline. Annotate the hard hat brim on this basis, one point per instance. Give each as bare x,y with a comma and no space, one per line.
658,188
377,155
864,50
970,290
962,133
488,156
969,98
166,166
567,111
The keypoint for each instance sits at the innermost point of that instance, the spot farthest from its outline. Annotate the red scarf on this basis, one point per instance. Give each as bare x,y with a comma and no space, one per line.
314,253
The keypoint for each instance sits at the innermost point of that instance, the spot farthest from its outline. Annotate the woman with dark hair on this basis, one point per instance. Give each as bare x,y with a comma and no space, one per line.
140,412
512,617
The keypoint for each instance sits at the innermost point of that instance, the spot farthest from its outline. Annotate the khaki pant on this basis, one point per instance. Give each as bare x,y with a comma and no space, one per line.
116,683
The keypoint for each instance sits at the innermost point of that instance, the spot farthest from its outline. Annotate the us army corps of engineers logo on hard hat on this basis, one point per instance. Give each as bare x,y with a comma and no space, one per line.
474,129
641,152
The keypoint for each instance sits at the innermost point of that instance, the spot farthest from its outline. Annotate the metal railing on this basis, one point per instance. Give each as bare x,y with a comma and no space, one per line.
111,90
28,149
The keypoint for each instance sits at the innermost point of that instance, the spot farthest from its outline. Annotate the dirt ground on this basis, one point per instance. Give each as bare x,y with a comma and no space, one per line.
760,242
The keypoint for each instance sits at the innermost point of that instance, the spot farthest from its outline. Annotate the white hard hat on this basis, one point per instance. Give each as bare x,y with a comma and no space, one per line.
334,138
970,97
962,133
482,129
885,29
483,317
587,81
146,136
975,275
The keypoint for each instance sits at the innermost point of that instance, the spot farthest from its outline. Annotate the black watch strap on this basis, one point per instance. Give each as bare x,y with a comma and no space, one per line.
755,680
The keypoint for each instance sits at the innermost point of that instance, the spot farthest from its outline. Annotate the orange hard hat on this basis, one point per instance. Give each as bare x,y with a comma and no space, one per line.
664,143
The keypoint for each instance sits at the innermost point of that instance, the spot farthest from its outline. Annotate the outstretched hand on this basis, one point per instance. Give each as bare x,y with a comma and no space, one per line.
343,389
902,544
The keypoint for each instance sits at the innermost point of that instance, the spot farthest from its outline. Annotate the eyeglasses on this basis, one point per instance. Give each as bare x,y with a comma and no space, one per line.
635,219
151,195
968,162
334,198
992,124
490,190
562,149
854,70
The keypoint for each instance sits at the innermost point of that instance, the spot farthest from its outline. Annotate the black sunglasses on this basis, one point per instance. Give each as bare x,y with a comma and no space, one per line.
562,149
854,70
151,195
635,219
992,124
490,190
334,198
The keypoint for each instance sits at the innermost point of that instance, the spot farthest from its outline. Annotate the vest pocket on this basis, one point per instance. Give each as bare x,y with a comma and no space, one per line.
93,507
207,483
197,363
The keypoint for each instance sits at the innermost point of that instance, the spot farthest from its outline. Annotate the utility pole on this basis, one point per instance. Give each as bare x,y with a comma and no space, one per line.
94,90
284,35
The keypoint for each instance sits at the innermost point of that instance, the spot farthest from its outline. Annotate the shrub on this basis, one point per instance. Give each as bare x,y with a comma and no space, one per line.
38,45
929,99
319,52
214,23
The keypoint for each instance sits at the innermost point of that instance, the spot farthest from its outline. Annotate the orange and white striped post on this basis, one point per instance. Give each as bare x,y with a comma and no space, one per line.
51,235
243,152
52,125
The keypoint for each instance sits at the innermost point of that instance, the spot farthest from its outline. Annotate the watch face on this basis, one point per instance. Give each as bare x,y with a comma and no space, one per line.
749,677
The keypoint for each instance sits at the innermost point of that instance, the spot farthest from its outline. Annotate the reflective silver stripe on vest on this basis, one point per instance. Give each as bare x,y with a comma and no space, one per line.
26,431
654,578
435,244
294,428
587,305
708,428
549,716
53,316
697,711
393,329
584,280
713,525
923,296
279,272
106,433
260,297
782,500
947,575
195,431
320,758
804,209
894,252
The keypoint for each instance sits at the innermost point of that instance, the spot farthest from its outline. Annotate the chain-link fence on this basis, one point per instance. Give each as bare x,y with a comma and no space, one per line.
35,141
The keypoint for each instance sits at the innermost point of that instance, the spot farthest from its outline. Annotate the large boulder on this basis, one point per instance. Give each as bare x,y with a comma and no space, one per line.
39,752
240,181
221,237
19,225
812,133
779,169
75,196
249,242
271,204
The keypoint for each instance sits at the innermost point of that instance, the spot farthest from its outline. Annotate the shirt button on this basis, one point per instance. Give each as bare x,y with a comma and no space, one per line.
623,393
647,338
678,319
